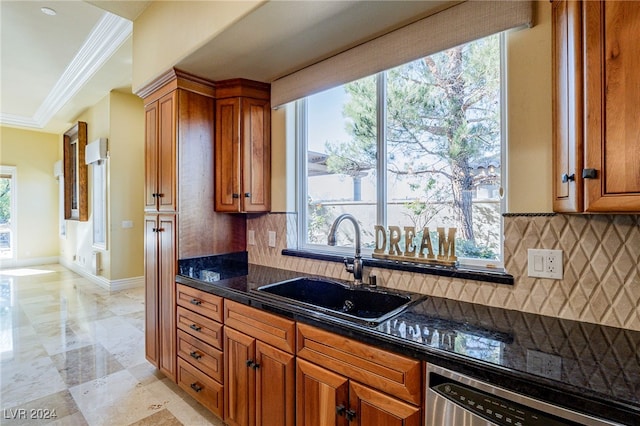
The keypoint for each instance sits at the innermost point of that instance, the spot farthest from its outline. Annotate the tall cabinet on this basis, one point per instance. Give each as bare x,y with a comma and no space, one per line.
596,84
180,221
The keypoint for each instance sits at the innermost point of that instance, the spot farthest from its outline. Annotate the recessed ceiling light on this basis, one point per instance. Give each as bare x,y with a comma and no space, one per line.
48,11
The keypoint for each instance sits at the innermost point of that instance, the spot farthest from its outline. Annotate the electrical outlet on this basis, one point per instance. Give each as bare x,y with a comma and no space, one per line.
251,237
272,238
543,364
545,263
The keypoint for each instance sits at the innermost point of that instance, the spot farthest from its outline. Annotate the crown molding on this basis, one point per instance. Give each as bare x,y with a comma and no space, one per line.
105,38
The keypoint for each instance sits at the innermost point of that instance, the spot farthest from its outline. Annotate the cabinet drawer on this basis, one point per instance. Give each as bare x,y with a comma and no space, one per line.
204,389
200,327
394,374
198,301
200,355
269,328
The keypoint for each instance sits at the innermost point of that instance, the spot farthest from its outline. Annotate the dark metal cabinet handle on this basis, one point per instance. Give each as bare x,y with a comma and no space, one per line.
195,355
589,173
196,387
350,415
247,195
568,178
235,195
159,195
340,409
195,327
196,302
154,195
249,363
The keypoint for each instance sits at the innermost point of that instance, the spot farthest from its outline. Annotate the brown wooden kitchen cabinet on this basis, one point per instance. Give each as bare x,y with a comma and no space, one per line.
243,146
160,154
596,140
179,193
160,267
341,381
259,367
199,347
325,398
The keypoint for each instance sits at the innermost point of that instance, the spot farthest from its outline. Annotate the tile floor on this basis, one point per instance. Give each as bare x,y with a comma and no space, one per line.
72,349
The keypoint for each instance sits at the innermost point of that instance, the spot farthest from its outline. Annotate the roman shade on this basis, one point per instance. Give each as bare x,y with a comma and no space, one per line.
461,23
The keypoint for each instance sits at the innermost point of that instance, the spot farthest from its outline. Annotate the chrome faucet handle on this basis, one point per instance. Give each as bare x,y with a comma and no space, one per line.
348,266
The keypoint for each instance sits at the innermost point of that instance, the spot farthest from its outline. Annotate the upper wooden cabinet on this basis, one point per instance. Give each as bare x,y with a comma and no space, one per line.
160,154
595,109
243,146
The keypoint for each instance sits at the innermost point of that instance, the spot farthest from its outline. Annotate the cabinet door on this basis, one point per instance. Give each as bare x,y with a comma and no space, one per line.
275,386
567,110
227,155
151,156
256,155
151,296
321,396
612,87
373,408
167,290
239,378
166,190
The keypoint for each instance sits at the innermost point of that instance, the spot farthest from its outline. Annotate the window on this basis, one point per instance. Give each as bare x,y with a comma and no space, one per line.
99,203
418,145
8,217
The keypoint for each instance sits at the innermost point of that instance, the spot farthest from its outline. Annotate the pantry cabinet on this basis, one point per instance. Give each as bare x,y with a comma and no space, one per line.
596,86
180,220
243,146
160,267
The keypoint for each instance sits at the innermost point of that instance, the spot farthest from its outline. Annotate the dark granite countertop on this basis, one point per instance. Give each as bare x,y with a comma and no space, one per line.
586,367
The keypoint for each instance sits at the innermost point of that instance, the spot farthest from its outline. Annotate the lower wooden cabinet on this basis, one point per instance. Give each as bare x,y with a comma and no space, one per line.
204,389
259,378
325,398
199,347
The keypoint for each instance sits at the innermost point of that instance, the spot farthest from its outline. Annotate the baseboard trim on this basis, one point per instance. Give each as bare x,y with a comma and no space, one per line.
109,285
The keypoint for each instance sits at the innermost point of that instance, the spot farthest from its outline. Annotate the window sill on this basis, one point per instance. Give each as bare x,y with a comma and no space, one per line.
481,274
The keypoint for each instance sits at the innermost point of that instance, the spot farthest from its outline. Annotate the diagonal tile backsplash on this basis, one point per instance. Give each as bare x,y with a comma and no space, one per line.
601,256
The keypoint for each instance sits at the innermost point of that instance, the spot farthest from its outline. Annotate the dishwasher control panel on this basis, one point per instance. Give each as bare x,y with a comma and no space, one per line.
494,409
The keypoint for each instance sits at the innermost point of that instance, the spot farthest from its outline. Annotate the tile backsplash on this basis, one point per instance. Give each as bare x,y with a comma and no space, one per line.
601,256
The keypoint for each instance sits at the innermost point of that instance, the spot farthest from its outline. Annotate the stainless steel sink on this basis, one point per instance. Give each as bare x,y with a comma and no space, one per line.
360,304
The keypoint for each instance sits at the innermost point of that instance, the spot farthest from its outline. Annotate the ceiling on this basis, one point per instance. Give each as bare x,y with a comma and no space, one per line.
54,67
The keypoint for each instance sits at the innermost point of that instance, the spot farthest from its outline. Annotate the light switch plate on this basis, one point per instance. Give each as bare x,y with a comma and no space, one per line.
251,237
272,238
545,263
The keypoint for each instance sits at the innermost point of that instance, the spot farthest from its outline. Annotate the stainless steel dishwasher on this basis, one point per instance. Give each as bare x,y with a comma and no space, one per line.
453,399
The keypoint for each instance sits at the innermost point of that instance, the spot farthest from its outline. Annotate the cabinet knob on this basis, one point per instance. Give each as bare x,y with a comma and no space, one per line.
159,195
195,355
196,387
196,302
195,327
154,195
340,409
568,178
235,195
589,173
247,195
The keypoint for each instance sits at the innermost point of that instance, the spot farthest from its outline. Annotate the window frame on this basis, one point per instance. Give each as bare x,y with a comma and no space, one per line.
301,120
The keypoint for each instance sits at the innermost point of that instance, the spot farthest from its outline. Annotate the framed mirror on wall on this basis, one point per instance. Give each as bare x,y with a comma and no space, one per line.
75,173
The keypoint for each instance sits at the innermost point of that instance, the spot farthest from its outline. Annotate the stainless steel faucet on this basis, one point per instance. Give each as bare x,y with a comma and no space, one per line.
356,267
